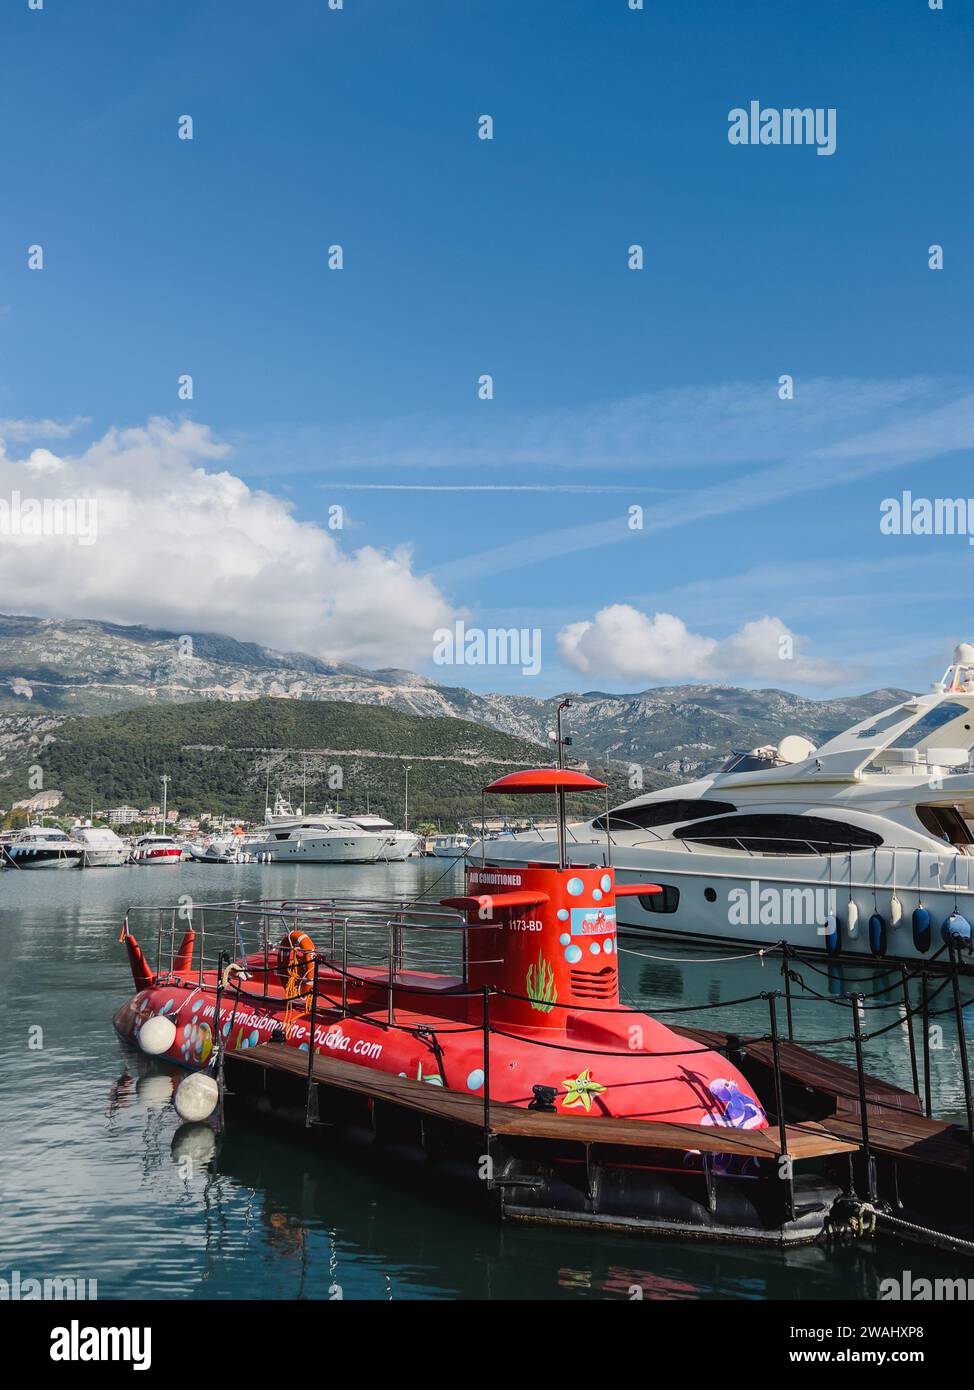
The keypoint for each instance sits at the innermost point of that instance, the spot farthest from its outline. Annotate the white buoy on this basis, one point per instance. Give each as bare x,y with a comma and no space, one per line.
196,1096
157,1035
852,920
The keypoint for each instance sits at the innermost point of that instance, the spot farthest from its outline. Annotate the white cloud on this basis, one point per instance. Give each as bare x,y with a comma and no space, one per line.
623,643
21,430
185,546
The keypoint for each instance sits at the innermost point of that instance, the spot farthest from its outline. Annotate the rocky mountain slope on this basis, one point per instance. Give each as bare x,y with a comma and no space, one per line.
51,668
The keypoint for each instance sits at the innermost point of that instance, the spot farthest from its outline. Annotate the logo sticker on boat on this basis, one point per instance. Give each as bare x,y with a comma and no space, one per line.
593,921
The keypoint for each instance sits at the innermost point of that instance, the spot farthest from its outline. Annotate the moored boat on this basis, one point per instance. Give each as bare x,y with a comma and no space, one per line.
42,847
153,850
522,1037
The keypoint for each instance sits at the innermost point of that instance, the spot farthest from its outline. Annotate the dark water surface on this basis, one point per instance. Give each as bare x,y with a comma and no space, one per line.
95,1181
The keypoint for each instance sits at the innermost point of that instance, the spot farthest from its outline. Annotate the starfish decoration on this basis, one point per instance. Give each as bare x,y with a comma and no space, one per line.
580,1089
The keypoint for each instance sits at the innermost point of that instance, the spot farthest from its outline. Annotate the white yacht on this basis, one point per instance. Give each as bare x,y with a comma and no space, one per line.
288,836
450,846
153,850
42,847
400,844
102,847
863,845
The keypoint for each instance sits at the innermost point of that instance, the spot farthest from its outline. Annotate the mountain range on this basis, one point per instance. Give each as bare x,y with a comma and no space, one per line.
52,669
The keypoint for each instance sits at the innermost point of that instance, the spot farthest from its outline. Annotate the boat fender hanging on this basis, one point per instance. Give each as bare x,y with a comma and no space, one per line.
895,911
852,919
957,929
833,936
877,934
921,929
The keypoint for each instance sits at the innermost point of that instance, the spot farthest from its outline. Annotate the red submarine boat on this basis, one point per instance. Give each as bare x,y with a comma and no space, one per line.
516,1067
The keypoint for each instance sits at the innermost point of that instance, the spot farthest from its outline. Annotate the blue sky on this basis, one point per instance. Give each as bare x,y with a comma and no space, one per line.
613,388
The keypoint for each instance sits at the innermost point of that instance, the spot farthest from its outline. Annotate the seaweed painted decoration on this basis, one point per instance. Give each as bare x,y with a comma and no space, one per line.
541,990
580,1089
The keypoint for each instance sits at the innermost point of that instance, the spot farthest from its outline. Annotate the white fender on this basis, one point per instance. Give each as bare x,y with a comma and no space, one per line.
852,919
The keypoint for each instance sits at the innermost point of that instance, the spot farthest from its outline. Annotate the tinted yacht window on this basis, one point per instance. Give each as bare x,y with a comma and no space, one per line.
946,823
662,813
779,834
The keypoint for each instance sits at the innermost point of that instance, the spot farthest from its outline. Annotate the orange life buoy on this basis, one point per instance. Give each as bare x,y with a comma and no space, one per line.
296,959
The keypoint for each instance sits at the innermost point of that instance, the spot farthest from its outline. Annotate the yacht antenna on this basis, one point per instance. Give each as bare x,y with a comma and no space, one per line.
165,795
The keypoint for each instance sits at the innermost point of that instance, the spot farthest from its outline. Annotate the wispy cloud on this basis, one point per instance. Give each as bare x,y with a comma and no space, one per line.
20,431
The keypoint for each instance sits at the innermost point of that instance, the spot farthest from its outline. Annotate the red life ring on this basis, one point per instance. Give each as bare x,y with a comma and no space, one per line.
296,954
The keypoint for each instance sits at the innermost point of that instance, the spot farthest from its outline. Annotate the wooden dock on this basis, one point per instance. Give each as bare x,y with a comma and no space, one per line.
900,1135
808,1140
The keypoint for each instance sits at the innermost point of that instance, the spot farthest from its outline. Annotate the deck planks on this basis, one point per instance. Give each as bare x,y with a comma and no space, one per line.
804,1141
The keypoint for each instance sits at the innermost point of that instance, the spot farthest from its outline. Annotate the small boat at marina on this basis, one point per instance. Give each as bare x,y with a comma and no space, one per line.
103,849
862,846
450,846
43,847
492,1027
154,850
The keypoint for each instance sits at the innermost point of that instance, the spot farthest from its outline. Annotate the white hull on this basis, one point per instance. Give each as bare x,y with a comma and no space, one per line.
399,847
327,849
33,859
104,858
763,900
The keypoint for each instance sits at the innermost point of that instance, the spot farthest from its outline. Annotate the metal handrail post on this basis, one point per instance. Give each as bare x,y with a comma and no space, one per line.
925,1021
771,997
486,1027
909,1026
856,1000
310,1092
344,967
787,976
965,1066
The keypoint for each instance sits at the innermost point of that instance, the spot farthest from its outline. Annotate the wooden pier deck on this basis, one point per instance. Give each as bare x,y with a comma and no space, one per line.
808,1140
897,1126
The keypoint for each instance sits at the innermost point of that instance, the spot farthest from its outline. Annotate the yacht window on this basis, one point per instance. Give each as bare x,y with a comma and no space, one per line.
746,762
667,901
946,823
780,834
662,813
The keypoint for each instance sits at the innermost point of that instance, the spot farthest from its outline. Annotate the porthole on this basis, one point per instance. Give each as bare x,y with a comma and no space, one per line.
710,894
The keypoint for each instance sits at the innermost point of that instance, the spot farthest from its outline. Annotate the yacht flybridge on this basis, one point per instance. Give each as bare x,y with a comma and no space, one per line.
864,845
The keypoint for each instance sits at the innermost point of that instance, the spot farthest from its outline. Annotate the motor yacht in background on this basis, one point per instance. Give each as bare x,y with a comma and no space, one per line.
288,836
400,844
102,847
155,850
42,847
863,845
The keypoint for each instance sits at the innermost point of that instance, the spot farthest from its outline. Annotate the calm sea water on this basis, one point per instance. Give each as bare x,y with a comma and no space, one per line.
91,1179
